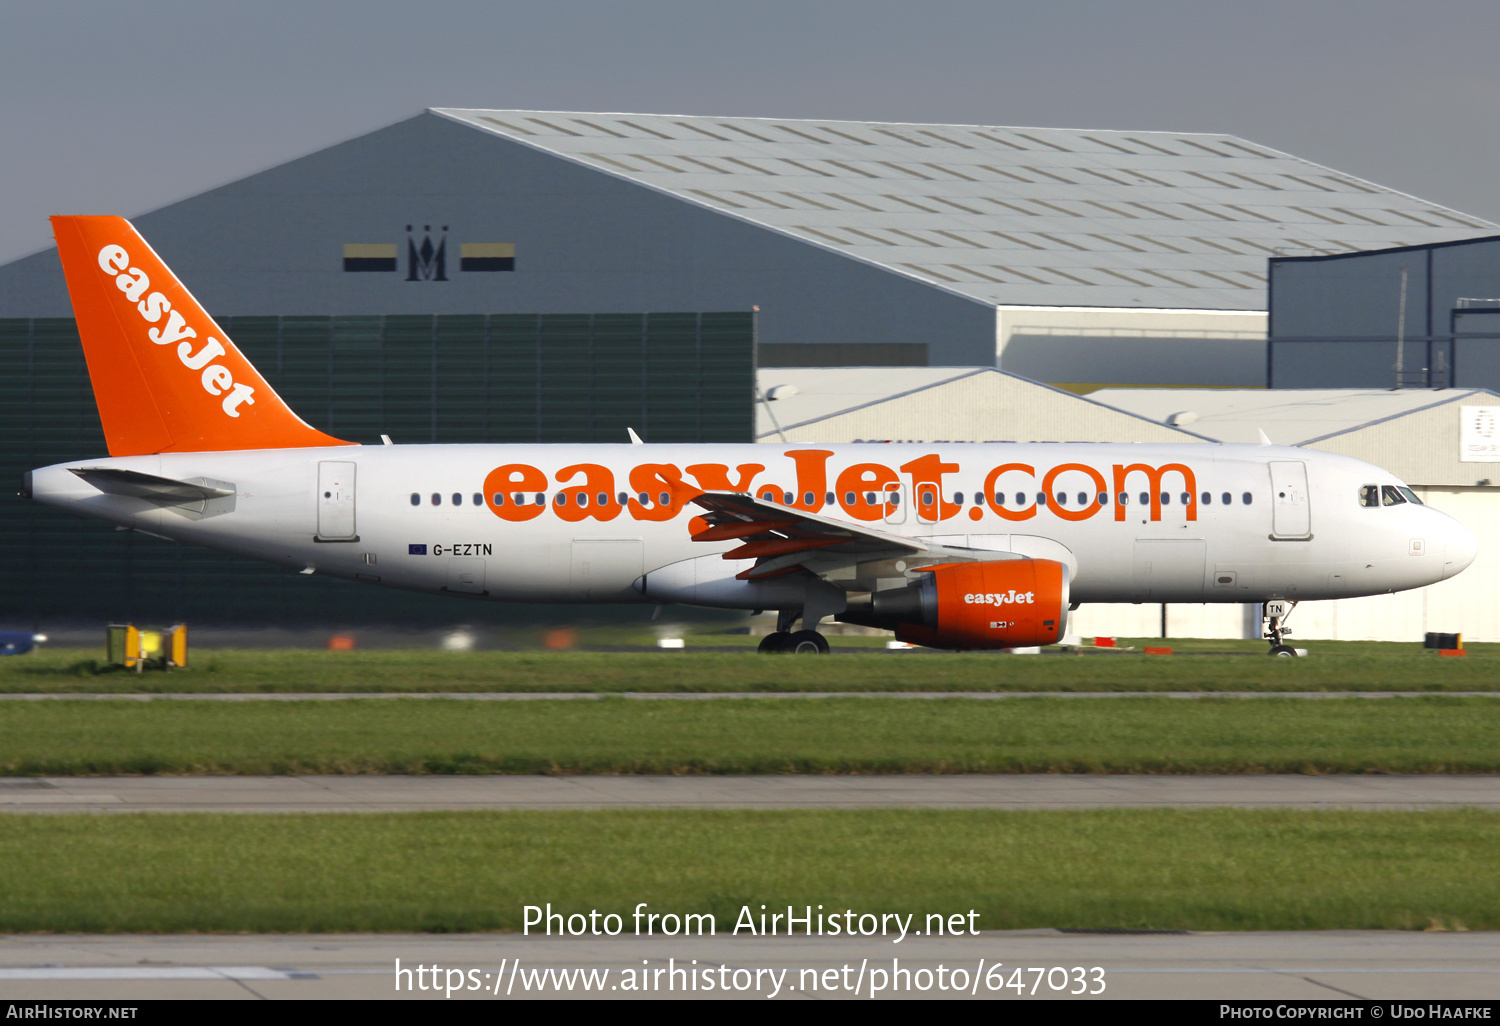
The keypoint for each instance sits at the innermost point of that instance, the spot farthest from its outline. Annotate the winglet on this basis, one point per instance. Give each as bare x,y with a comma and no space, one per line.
635,439
166,378
1263,439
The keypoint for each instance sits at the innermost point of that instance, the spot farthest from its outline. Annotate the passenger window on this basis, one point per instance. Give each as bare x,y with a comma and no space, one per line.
1104,498
786,499
1166,499
478,499
1020,498
1062,498
848,498
828,499
1083,498
1124,499
624,497
958,498
1411,496
458,500
999,498
1208,498
541,498
1226,499
416,500
1369,496
1041,498
666,498
603,498
437,500
1187,498
499,498
869,498
927,498
582,498
894,498
1246,498
560,499
807,498
1145,498
766,496
1392,496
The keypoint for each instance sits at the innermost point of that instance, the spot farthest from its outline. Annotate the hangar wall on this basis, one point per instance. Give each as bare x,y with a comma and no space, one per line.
272,244
681,377
1335,320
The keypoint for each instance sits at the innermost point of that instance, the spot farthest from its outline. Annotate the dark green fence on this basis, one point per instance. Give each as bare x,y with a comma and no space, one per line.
674,377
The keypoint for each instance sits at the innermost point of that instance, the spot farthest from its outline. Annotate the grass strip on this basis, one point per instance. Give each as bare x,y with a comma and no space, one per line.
1334,666
1218,869
834,735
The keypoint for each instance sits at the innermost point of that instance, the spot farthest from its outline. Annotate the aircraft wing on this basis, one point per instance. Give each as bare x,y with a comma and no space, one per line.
785,540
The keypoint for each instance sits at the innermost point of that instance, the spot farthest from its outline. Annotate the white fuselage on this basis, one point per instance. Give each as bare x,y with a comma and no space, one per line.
1292,526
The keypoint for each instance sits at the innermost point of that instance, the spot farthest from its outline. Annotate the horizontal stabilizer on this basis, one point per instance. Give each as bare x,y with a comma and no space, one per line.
162,491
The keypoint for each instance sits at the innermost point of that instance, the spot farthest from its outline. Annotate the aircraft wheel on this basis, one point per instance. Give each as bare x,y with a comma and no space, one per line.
774,642
807,643
1283,651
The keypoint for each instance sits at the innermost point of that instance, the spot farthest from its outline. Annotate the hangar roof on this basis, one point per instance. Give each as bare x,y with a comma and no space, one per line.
932,404
1009,216
1414,433
1289,416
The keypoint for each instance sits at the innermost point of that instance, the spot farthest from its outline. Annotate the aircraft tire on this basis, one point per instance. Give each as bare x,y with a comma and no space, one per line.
1283,651
807,643
774,642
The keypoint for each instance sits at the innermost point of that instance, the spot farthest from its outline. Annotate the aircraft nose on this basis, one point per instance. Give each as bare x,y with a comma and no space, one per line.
1459,548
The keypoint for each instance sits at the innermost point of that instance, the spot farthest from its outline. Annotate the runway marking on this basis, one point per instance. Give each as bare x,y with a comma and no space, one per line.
165,972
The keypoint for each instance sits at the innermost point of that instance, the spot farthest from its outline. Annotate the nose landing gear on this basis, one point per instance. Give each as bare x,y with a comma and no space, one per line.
1274,617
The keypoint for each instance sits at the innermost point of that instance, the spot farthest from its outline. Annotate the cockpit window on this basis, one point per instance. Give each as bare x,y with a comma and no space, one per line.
1369,496
1411,496
1392,496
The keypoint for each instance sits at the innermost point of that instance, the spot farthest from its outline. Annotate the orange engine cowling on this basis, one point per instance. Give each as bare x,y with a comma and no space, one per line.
1000,604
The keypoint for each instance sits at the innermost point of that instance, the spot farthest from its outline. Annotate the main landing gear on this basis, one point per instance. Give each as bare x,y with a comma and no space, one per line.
803,642
1274,615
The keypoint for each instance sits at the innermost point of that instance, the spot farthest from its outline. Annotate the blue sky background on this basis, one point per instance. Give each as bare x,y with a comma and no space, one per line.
122,107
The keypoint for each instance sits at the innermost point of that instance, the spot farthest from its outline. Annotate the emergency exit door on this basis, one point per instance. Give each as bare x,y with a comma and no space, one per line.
336,501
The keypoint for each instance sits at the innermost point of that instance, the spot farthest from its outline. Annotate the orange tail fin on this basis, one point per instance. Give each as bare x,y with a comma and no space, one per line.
166,378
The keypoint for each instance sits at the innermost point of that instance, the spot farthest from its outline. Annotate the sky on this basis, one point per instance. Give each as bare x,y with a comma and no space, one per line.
121,108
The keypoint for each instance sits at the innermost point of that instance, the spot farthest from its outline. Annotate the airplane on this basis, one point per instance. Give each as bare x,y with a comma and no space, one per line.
949,545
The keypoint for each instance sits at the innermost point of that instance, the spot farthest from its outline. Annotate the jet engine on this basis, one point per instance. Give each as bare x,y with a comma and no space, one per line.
1007,603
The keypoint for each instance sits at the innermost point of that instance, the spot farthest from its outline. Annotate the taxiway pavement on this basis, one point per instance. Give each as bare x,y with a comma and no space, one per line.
1329,965
967,791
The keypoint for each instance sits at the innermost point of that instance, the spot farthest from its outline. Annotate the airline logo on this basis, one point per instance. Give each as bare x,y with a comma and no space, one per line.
870,492
1011,597
214,378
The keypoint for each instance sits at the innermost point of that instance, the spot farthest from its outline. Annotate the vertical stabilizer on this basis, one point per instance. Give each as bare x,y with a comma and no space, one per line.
165,377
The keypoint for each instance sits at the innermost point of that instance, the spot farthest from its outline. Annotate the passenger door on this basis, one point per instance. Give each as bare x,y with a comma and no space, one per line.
1291,516
336,501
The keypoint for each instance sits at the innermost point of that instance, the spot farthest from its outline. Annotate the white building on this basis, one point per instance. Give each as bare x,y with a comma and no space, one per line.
1445,444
